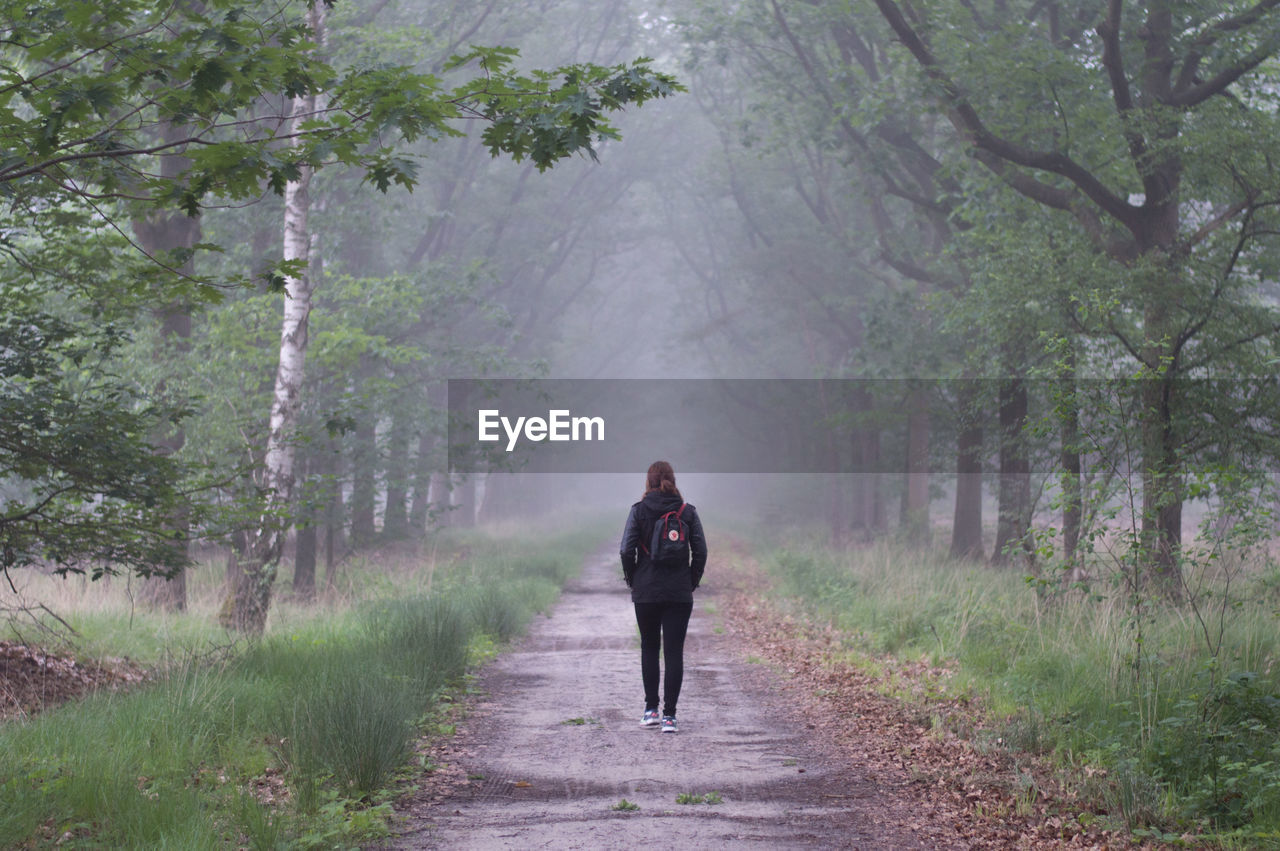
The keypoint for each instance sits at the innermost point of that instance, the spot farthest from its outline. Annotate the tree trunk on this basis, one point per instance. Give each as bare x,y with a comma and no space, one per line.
169,593
1161,537
304,550
860,506
423,511
501,498
877,485
966,529
837,509
870,515
440,497
395,515
1069,458
335,520
253,594
236,547
1161,485
304,562
862,470
915,505
159,233
234,550
1013,519
419,507
364,472
481,496
463,513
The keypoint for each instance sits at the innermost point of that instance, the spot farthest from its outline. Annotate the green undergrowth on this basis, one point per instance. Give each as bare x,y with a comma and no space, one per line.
1179,706
289,741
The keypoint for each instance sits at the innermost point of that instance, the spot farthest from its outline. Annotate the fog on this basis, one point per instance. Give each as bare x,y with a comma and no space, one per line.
753,227
337,340
762,242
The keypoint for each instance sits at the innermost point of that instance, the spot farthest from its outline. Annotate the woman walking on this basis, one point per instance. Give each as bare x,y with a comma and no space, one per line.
662,571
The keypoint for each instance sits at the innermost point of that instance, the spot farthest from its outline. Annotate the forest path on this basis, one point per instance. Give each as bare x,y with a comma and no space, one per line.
527,775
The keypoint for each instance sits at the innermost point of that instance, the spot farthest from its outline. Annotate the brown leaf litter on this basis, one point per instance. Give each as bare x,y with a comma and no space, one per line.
34,678
998,799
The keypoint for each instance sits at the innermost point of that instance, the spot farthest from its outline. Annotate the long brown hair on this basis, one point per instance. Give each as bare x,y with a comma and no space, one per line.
661,477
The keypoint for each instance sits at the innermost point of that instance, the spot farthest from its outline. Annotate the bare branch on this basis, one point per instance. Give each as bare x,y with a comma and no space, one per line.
1194,328
801,53
1219,219
884,227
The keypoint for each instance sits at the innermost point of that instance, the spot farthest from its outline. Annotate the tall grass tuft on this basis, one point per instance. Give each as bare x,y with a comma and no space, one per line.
349,726
424,639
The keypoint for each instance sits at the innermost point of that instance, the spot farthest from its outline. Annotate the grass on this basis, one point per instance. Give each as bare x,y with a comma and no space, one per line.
580,722
290,740
711,798
1190,737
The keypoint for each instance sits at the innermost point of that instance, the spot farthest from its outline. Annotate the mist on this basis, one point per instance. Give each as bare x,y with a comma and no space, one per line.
772,252
338,342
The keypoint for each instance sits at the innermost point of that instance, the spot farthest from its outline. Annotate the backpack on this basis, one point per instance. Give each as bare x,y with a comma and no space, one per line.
669,545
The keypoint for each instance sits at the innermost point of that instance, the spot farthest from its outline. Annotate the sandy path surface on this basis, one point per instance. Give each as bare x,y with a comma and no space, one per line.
535,781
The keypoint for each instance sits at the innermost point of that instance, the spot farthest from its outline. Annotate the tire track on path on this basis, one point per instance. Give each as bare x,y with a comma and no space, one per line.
539,782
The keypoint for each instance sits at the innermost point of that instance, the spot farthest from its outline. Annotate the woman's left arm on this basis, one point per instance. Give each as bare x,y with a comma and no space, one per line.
697,547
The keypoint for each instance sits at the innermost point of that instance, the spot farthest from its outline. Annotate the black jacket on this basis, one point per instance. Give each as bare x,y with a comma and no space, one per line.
651,584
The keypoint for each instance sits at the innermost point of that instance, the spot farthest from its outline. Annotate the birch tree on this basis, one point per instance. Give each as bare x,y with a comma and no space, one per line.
254,582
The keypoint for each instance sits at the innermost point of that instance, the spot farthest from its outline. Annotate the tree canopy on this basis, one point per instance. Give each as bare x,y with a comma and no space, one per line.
131,111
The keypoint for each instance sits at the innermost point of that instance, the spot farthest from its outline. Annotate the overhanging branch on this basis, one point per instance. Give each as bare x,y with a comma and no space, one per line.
964,117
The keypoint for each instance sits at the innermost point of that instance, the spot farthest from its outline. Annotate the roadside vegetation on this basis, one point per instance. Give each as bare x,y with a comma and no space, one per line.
291,740
1173,708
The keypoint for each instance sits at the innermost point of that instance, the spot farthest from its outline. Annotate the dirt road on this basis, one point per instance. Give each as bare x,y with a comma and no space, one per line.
555,745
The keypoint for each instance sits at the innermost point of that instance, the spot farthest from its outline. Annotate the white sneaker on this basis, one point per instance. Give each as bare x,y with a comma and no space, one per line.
650,719
669,724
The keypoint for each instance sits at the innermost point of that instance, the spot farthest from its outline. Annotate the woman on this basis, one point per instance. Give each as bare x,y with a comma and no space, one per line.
662,589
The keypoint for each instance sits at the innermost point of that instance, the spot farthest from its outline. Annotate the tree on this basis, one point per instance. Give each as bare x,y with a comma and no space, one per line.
131,111
84,491
1153,165
884,193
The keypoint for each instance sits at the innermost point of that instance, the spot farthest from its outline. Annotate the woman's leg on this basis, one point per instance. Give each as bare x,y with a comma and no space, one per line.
675,623
649,619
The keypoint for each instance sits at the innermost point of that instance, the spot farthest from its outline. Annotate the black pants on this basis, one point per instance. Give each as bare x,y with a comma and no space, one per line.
662,625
